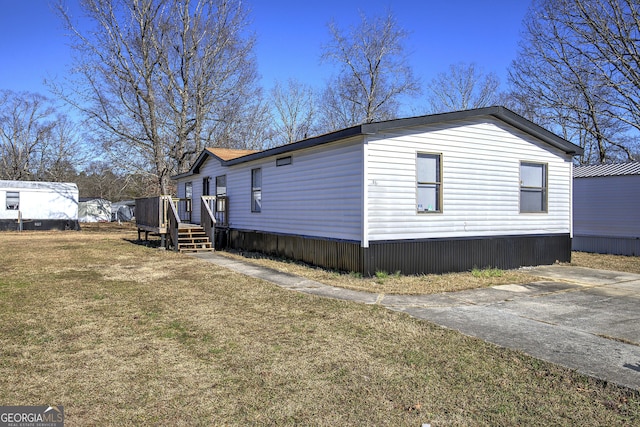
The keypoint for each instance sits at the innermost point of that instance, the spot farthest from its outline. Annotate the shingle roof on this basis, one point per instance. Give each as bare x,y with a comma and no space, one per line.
607,169
229,153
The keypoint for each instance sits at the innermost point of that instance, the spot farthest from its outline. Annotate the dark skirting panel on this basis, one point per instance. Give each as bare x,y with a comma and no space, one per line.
335,254
629,246
39,224
410,256
452,255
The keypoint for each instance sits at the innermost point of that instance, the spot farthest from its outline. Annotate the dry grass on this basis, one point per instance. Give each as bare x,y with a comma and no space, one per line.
628,264
126,335
391,283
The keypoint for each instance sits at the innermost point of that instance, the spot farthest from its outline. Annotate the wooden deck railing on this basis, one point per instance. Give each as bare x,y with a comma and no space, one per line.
164,215
151,213
173,223
207,217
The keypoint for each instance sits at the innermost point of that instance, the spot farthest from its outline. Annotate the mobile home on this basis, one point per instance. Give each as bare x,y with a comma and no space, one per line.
428,194
34,205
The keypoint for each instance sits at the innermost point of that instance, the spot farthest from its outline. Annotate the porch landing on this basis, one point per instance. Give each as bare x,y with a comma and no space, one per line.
160,216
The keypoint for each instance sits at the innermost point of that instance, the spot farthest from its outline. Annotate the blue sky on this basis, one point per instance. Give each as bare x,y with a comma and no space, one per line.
290,35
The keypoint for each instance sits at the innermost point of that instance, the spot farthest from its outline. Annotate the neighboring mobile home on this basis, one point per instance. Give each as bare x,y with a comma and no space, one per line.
606,208
123,210
429,194
34,205
94,209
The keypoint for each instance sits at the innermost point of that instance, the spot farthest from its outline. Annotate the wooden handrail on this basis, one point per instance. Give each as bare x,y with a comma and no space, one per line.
173,221
207,218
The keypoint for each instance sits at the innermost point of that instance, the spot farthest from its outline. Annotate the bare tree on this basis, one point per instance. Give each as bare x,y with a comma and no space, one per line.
294,112
161,79
244,125
37,142
463,87
373,73
63,153
577,72
26,123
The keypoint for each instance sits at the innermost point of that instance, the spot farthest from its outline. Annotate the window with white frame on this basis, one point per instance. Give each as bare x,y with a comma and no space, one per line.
221,185
13,200
533,187
221,193
188,195
256,190
429,182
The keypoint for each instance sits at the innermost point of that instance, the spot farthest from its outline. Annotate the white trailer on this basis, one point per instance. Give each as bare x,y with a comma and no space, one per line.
33,205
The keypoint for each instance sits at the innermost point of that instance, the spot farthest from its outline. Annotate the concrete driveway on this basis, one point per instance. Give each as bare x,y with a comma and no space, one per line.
587,320
583,319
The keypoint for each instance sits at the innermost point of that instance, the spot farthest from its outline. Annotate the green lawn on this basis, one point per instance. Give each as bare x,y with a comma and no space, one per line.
122,334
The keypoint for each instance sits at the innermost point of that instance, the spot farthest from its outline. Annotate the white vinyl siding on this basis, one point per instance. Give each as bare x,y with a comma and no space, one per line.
365,188
480,179
320,194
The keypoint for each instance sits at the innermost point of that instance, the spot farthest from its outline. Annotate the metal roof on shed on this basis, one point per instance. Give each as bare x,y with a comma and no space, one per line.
607,169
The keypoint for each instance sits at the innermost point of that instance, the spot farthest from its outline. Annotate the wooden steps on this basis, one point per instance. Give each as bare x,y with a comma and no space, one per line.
194,239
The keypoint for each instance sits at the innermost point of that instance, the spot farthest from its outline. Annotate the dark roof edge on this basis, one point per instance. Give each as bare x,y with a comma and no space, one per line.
501,113
305,143
539,132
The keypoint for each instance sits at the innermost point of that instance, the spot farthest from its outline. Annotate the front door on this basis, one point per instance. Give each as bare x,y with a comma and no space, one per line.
206,185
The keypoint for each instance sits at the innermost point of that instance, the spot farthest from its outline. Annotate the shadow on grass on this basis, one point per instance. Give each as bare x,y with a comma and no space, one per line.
150,243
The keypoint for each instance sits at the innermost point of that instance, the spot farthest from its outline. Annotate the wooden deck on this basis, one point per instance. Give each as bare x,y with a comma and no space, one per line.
160,216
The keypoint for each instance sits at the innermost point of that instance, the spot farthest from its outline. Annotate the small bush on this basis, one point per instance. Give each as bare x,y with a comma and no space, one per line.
382,274
486,272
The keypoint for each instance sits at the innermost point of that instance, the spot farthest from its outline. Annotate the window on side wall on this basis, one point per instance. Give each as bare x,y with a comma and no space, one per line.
188,194
429,182
13,200
533,187
256,190
221,192
221,185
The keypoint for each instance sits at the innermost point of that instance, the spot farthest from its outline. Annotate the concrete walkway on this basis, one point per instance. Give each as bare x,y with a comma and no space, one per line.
584,319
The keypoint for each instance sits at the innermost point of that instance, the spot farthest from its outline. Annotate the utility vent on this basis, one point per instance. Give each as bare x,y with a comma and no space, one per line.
283,161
